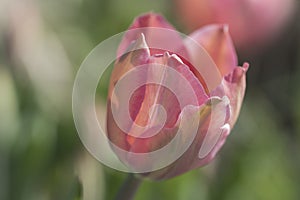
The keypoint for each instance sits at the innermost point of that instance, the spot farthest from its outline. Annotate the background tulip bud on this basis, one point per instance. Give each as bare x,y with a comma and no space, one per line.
252,23
165,91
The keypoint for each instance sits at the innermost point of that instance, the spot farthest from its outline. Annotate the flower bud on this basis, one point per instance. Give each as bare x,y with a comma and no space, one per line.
165,91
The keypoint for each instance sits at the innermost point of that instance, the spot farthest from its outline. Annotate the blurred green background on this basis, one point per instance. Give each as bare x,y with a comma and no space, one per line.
42,44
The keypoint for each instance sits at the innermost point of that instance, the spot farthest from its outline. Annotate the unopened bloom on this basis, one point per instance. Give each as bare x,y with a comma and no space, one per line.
198,102
253,23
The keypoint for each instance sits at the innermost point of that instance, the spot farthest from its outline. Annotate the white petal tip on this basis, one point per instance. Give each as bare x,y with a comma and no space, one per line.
226,100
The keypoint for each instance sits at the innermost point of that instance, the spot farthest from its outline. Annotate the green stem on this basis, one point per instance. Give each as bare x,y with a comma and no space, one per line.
129,188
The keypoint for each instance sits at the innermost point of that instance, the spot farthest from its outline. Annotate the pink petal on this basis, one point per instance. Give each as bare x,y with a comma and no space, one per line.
159,34
136,55
202,162
178,138
234,85
171,93
217,42
170,142
190,159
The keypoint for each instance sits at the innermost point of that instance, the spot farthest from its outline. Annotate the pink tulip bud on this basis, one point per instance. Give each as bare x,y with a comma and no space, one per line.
253,23
164,88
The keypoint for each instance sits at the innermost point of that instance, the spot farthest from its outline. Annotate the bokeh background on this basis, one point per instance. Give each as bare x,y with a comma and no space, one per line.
42,44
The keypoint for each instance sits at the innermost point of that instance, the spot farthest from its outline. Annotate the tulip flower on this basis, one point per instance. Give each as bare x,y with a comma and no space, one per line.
253,24
193,85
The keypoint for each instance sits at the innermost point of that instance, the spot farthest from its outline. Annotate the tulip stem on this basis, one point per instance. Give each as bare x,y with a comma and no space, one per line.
129,188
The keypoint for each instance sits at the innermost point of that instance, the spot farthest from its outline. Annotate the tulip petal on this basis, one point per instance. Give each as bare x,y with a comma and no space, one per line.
186,128
137,54
148,95
207,159
188,162
190,159
159,34
217,42
171,92
234,85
